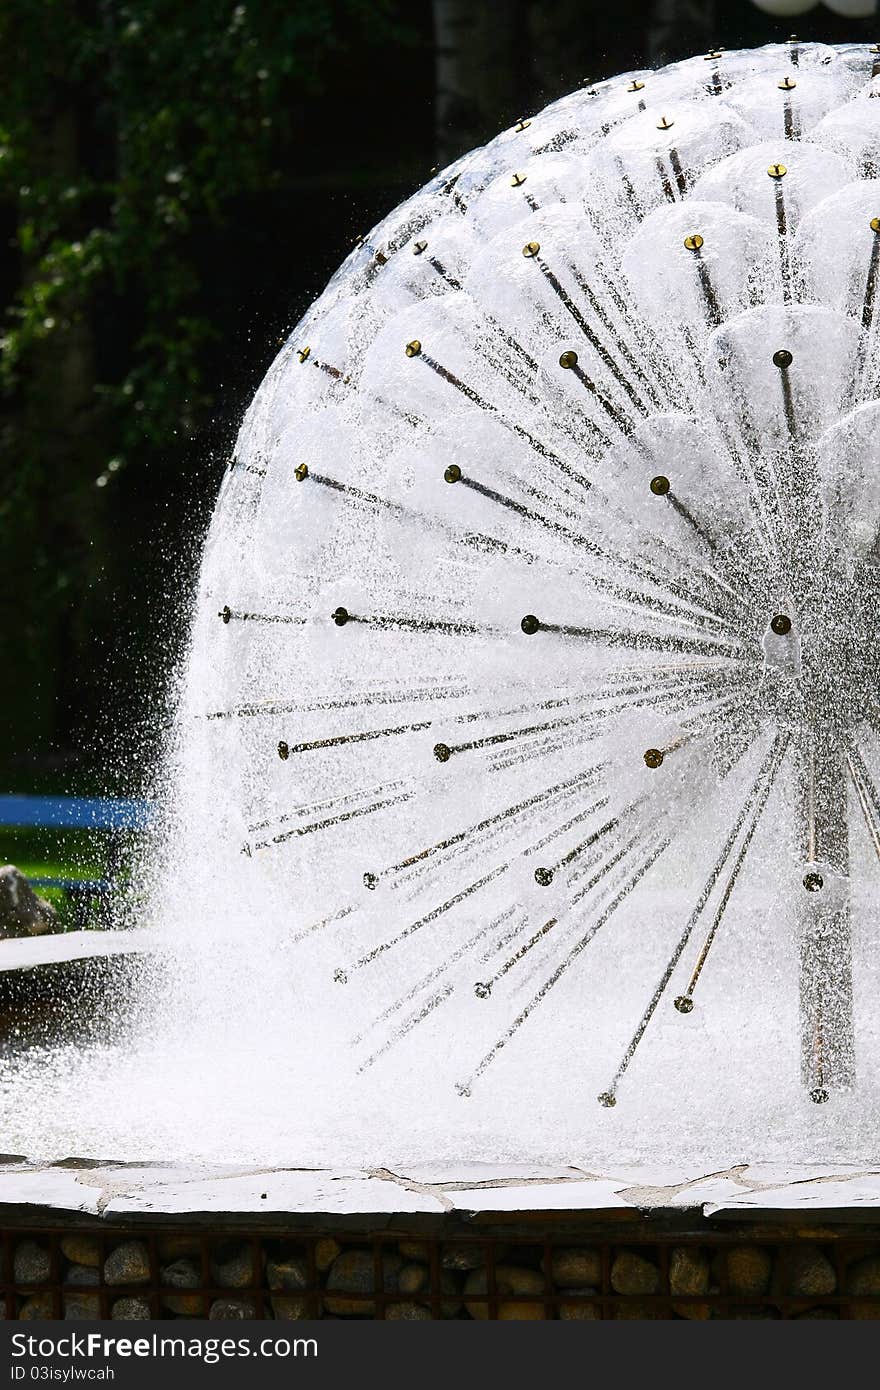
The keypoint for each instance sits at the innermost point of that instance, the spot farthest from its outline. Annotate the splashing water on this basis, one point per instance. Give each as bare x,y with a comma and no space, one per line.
524,799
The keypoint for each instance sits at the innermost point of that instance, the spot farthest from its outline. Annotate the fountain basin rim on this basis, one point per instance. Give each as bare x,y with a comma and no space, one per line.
163,1193
30,952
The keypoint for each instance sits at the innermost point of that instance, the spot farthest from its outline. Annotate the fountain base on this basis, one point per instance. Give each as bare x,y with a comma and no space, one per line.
83,1239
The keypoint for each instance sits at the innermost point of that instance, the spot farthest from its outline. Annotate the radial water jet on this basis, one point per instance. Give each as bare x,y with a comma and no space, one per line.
553,530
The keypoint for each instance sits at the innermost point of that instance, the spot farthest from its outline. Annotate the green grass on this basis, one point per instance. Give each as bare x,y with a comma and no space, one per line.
41,853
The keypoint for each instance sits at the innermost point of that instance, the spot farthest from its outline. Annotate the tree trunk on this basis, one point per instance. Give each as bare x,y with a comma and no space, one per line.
479,69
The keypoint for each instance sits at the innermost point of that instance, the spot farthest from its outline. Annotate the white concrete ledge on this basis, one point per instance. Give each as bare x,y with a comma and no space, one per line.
119,1192
26,952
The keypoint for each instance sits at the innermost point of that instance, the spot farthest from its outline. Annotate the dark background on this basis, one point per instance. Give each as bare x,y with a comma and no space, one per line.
178,179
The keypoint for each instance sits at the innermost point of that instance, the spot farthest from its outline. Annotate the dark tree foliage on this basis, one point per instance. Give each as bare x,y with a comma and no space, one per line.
127,131
123,125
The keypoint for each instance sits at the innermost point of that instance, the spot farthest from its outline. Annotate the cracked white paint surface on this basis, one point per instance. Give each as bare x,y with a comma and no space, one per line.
27,952
117,1191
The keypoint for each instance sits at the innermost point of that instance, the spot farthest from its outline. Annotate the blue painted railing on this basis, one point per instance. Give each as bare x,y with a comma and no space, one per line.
76,812
112,815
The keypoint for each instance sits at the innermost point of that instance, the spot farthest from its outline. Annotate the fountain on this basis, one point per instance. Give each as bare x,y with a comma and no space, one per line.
523,799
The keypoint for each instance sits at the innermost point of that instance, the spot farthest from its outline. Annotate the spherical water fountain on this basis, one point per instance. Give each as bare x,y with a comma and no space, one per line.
524,795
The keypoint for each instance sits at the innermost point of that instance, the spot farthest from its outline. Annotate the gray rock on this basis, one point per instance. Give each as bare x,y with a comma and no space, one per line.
464,1255
184,1305
632,1273
228,1308
415,1250
810,1272
82,1250
81,1307
416,1278
232,1267
407,1312
179,1248
288,1308
509,1279
129,1263
288,1274
688,1270
40,1307
864,1276
326,1251
577,1266
749,1270
130,1310
22,913
689,1273
182,1274
84,1275
352,1272
31,1263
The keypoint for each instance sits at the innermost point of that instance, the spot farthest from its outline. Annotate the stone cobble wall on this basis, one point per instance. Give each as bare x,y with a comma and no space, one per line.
85,1274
